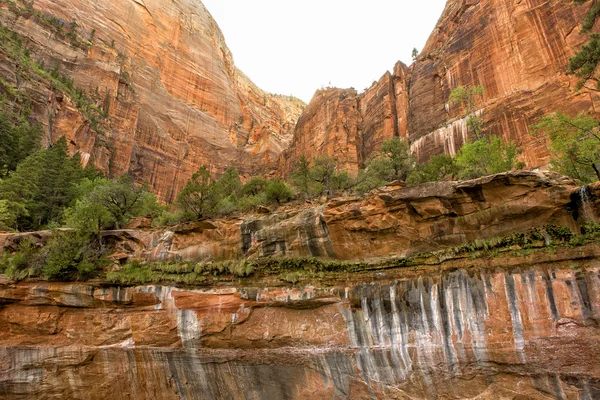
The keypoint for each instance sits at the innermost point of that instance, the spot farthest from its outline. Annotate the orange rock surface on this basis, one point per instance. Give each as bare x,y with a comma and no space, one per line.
175,99
518,51
466,331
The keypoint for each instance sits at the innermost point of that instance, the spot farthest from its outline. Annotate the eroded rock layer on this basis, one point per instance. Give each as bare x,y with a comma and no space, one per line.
463,331
392,222
518,51
164,75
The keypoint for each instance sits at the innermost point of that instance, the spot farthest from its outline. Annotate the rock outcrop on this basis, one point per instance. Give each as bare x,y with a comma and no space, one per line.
163,74
390,222
349,126
518,51
387,223
462,331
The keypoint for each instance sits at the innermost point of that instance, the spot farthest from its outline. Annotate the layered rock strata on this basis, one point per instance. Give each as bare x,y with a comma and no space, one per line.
167,81
518,51
467,330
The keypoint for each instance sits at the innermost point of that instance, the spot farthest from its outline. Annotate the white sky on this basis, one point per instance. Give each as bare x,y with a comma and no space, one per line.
296,47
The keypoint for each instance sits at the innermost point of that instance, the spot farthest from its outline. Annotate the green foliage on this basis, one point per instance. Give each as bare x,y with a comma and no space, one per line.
301,177
18,139
203,197
44,183
394,162
575,145
486,156
12,45
278,192
254,187
436,169
468,96
71,255
322,173
367,180
20,264
68,255
197,199
585,62
110,204
415,54
10,212
559,233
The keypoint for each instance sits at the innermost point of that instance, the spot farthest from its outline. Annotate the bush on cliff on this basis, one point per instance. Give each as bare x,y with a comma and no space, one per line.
393,162
45,184
486,156
584,64
575,145
204,197
109,204
436,169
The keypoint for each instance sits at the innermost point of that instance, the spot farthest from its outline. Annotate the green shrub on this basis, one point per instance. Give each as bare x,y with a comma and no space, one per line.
278,192
559,233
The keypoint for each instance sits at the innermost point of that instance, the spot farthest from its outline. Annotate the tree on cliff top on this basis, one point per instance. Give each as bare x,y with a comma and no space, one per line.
585,63
575,145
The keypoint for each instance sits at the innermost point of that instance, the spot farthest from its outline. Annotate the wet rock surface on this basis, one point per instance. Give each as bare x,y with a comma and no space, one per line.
390,222
476,332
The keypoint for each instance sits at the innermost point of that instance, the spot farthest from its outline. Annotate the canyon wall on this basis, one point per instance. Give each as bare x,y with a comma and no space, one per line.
165,78
518,51
522,322
466,331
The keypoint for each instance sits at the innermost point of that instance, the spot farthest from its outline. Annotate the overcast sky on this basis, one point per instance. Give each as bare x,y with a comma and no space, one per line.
296,47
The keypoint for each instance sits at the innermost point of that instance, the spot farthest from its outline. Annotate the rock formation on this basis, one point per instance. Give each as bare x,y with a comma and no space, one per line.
465,331
163,73
388,223
391,222
518,51
524,321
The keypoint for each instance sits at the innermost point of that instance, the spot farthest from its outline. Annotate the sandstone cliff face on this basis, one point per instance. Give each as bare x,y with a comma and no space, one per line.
175,100
466,332
522,322
348,126
518,51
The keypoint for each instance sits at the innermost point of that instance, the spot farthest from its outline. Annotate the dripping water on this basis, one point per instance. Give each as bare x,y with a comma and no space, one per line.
586,205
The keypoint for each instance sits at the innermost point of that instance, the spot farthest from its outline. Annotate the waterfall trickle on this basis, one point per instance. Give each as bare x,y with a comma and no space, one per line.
586,205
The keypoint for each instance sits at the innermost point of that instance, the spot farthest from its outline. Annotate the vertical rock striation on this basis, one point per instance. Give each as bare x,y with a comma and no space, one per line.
163,73
519,52
470,332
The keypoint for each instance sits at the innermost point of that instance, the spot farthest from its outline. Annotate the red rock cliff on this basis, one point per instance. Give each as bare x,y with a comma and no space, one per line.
174,98
518,51
470,331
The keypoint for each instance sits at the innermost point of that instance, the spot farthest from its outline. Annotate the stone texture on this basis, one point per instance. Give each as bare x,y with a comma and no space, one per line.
518,51
348,126
393,221
460,332
389,222
175,98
